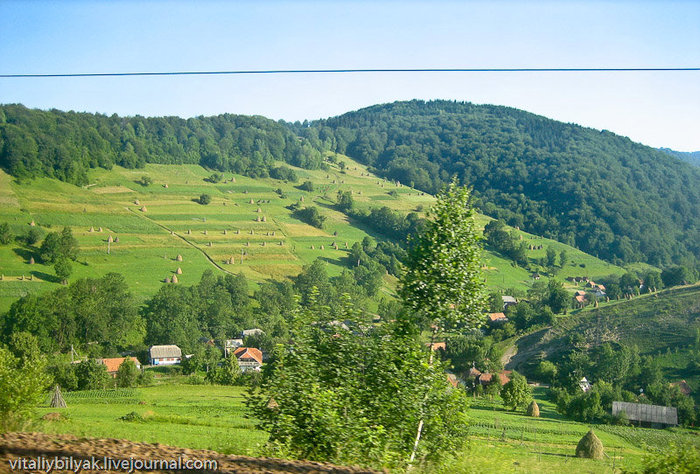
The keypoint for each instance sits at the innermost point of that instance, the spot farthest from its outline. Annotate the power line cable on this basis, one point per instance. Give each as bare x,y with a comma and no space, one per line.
351,71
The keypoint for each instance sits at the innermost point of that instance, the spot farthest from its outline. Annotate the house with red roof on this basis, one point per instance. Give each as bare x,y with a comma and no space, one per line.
114,363
249,358
497,318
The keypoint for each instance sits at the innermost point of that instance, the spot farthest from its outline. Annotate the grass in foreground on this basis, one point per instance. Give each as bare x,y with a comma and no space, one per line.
213,417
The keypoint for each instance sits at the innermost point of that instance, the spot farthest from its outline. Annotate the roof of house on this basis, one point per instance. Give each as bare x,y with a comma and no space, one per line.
436,345
452,379
474,372
683,386
248,353
113,363
252,332
233,343
162,352
508,299
504,375
581,298
497,316
580,293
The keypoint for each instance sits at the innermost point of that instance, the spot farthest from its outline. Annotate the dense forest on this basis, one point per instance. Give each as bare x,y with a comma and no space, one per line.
64,145
611,197
601,192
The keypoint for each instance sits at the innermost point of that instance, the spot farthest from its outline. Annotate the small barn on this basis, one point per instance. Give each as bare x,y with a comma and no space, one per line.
165,355
508,301
655,416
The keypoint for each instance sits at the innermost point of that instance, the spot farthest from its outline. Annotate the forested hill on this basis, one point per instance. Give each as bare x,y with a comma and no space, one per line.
692,157
601,192
64,145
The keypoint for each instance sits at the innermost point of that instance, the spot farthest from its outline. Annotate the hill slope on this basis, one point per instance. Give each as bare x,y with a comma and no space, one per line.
208,236
593,189
655,323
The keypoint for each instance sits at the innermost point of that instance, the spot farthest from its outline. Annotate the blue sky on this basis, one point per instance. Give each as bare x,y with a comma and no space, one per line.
658,109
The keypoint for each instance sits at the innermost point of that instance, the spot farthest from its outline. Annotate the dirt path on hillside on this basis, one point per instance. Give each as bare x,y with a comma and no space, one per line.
508,355
172,232
91,453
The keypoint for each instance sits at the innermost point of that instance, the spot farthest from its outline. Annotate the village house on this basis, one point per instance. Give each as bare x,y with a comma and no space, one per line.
165,355
232,344
436,345
503,377
251,332
497,318
249,358
585,385
114,363
507,301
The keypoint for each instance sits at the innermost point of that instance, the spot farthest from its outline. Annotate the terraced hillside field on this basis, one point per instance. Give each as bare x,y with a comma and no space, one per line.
247,227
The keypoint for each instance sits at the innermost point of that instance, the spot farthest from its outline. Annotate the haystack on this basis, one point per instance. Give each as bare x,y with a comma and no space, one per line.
174,280
167,280
281,243
57,400
143,209
32,223
136,202
189,231
205,232
264,219
110,239
233,180
209,244
533,409
259,210
178,271
273,233
21,278
99,230
301,199
247,244
225,232
251,202
257,219
116,240
312,247
323,248
238,231
263,244
92,229
165,185
589,447
31,260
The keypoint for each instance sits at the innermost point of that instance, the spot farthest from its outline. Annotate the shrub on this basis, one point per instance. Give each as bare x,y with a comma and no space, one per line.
204,199
307,186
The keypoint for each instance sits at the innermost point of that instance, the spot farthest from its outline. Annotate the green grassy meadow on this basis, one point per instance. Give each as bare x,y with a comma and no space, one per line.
156,223
213,417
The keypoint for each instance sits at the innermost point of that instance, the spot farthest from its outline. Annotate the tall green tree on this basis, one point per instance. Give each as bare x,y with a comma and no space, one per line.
127,374
516,393
23,380
354,394
443,282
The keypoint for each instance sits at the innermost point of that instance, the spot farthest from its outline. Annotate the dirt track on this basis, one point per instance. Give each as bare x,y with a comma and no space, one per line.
14,446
